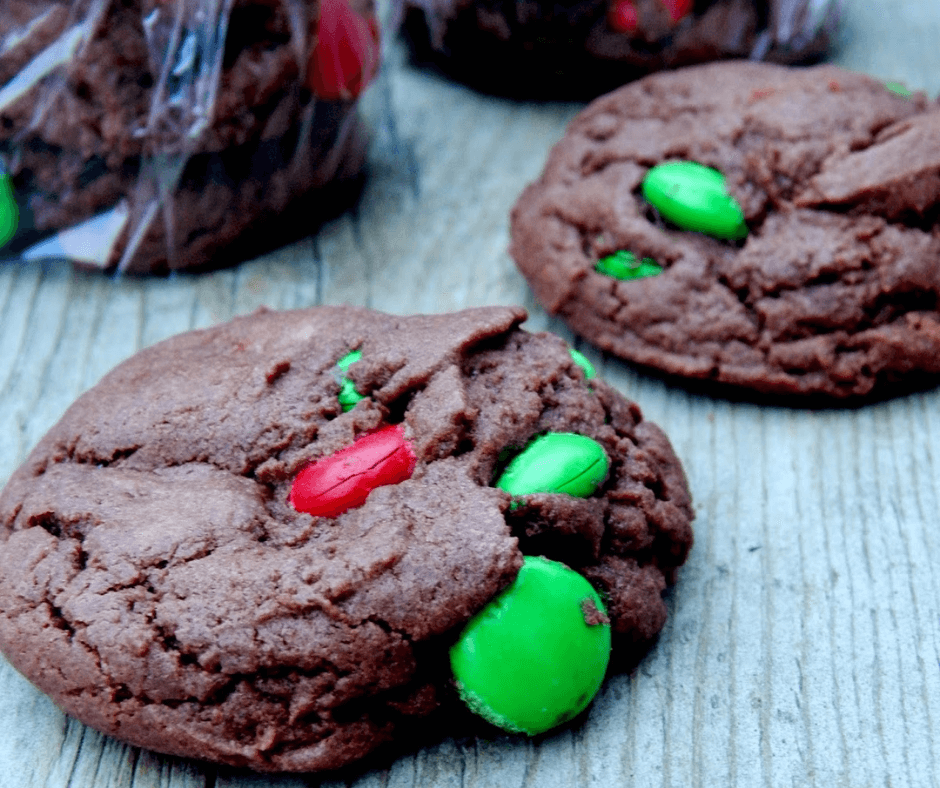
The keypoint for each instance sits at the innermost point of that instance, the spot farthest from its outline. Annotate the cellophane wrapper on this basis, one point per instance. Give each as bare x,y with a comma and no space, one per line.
150,135
574,49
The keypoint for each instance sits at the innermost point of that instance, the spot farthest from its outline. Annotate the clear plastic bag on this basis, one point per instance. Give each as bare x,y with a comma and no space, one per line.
148,135
582,48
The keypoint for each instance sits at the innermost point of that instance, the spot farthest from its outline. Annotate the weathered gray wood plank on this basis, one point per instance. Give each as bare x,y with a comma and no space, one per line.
804,639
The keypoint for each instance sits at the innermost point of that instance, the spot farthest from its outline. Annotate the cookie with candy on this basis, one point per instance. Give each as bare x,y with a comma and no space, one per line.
583,48
242,567
754,226
150,135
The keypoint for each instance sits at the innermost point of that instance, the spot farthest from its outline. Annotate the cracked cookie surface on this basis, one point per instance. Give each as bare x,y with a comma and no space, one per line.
156,583
835,291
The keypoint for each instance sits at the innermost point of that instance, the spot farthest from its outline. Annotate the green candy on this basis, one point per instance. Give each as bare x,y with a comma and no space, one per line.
694,197
624,265
581,360
559,462
9,213
536,655
348,396
900,88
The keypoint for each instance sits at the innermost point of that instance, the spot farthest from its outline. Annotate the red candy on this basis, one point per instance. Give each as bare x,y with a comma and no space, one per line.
346,55
622,16
343,481
678,8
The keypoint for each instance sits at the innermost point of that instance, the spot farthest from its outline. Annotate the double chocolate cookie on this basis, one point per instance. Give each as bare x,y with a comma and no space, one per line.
768,227
148,135
582,48
162,579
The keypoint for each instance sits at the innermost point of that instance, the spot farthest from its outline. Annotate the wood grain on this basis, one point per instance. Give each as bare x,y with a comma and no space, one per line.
803,645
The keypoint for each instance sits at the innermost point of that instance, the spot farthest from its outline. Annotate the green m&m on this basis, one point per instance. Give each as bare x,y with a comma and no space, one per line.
582,361
348,396
9,213
899,88
694,197
624,265
536,655
558,462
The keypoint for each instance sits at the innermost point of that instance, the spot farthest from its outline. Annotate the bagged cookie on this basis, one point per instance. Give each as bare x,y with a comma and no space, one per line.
149,135
582,48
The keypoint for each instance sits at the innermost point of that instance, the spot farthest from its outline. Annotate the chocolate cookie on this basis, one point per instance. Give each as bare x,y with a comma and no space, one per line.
582,48
149,134
800,259
159,582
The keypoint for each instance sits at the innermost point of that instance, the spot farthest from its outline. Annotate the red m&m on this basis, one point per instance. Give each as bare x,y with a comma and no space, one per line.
678,9
345,57
623,16
343,481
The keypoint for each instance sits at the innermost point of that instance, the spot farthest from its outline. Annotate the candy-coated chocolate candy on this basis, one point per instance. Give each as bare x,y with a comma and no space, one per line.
694,197
345,57
678,9
900,88
348,396
536,655
9,213
622,16
581,360
624,265
559,462
343,481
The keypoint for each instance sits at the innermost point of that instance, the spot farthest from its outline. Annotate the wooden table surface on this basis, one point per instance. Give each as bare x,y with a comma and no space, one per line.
803,645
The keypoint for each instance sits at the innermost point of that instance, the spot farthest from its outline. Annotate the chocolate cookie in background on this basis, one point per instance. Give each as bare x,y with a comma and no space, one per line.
580,49
770,228
149,135
161,579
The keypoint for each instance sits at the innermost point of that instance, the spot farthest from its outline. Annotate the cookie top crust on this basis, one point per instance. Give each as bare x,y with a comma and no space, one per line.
834,291
157,583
